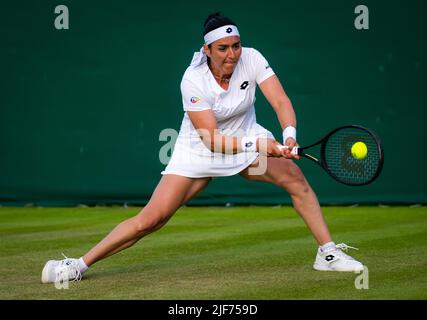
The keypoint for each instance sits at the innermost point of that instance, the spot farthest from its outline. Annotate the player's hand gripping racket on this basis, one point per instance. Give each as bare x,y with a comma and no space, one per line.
351,154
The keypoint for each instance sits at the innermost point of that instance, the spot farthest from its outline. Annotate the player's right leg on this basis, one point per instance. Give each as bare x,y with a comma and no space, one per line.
197,186
171,192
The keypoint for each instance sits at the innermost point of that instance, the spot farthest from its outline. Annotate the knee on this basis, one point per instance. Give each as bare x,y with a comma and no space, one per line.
294,181
148,223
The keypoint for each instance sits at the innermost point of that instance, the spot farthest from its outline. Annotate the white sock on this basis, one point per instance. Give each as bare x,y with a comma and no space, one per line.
82,265
328,245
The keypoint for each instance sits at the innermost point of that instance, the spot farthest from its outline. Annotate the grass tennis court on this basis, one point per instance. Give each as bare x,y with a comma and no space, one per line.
216,253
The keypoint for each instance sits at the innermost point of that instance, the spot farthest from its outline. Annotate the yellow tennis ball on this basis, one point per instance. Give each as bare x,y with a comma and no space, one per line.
359,150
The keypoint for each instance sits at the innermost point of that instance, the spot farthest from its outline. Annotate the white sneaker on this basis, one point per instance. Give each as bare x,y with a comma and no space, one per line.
335,259
61,270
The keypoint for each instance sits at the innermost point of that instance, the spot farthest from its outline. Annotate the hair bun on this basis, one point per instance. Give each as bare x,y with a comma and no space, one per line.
216,20
211,16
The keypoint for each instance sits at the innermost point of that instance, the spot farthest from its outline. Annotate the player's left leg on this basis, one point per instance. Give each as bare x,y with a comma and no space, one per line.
287,175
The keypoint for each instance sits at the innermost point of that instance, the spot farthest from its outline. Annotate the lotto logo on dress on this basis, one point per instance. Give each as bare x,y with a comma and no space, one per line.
194,100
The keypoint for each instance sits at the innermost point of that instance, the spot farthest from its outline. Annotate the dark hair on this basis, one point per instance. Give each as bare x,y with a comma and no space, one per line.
216,20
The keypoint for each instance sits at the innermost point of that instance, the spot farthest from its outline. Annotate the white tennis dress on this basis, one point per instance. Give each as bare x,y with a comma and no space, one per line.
234,111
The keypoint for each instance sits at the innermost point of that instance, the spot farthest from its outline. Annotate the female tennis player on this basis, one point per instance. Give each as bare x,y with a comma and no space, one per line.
219,136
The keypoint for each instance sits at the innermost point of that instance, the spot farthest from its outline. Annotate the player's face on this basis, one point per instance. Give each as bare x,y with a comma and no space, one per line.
224,54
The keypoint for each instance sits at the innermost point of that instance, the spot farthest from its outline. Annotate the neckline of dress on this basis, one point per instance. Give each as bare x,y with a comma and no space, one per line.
212,77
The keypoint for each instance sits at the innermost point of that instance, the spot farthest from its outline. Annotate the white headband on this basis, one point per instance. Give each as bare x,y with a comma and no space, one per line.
221,32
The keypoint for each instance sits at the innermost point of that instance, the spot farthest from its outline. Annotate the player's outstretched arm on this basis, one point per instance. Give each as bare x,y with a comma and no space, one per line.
282,105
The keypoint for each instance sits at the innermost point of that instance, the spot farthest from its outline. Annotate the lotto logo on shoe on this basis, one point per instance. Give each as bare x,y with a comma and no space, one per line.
329,257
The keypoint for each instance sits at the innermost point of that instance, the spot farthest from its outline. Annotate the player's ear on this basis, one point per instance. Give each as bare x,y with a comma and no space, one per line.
207,50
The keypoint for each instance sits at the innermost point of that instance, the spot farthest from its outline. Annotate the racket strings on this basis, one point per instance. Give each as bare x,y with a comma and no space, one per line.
343,165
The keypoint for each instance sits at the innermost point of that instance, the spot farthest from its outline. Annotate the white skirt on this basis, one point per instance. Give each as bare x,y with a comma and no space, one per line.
192,159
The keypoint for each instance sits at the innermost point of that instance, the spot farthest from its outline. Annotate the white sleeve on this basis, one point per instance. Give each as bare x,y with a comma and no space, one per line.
260,67
193,98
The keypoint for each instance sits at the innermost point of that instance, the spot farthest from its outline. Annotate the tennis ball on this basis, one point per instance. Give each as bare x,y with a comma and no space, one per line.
359,150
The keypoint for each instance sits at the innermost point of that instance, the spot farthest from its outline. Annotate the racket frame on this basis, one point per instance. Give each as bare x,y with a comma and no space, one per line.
321,162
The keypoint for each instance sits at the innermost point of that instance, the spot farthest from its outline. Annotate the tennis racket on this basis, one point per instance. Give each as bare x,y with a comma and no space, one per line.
338,158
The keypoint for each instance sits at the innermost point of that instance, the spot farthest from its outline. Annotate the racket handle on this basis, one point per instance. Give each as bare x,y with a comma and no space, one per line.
294,149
